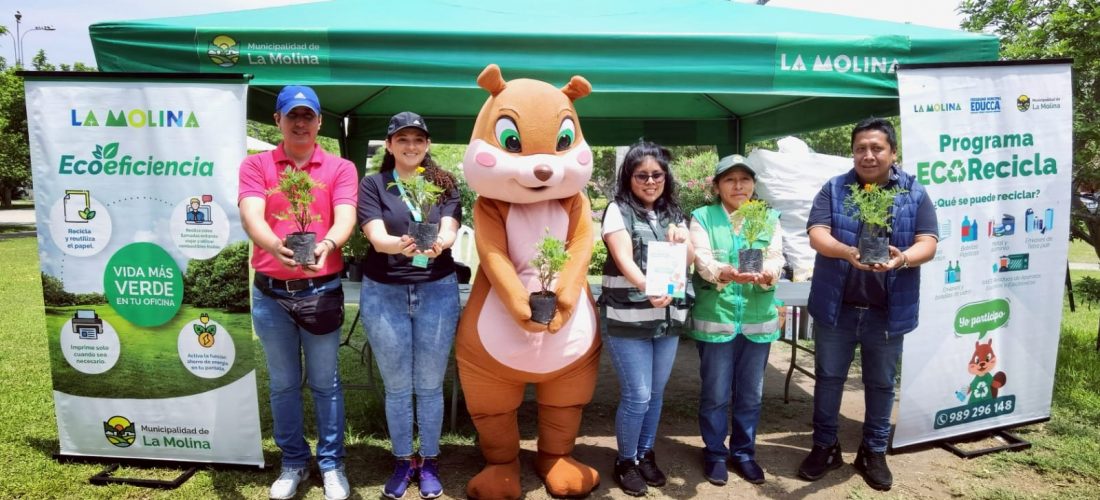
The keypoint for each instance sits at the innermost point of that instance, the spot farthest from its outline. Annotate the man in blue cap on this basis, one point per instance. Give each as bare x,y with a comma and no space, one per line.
298,310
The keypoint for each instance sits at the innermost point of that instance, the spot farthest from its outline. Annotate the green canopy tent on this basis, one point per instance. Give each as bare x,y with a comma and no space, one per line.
683,72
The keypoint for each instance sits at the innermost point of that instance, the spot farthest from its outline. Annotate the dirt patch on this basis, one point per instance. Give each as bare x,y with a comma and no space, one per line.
783,441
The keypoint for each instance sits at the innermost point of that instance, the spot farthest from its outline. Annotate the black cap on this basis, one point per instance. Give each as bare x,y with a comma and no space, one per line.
406,119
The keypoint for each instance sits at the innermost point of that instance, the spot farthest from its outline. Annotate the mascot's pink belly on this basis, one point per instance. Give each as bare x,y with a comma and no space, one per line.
506,341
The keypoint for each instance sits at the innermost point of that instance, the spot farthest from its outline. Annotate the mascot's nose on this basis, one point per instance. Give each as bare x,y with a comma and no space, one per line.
543,172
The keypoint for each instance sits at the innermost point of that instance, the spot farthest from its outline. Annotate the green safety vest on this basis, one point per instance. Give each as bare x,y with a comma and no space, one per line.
625,310
745,309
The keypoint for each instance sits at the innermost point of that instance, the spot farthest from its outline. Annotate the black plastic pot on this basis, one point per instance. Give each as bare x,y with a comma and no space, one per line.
424,233
543,305
750,260
302,244
874,246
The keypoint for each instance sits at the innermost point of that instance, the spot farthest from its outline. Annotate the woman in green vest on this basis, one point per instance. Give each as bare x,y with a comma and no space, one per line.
640,332
734,321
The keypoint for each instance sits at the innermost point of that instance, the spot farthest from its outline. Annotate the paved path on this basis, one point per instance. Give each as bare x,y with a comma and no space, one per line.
18,216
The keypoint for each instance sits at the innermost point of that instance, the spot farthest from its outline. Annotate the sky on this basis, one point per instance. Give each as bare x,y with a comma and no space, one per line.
69,42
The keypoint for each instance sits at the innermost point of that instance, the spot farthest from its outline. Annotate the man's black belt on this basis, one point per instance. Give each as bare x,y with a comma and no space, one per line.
265,282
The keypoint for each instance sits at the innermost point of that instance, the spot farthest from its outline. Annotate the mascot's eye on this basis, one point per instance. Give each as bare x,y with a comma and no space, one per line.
566,134
508,135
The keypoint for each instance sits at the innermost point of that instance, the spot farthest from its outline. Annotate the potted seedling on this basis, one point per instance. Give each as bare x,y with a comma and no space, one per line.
753,215
549,261
423,194
870,204
297,186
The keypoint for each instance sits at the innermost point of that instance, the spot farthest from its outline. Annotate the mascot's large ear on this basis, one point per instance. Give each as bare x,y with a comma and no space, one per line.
577,87
491,80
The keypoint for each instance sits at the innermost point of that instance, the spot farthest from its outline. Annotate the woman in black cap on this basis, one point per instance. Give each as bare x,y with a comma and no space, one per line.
409,297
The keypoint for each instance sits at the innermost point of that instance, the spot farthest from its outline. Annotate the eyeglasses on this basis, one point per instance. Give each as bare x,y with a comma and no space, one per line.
658,177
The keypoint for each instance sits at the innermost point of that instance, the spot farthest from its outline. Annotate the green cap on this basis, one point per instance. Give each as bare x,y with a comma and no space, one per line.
732,161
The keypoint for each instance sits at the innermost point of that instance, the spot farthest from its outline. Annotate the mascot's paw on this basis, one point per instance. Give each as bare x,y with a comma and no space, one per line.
495,481
566,477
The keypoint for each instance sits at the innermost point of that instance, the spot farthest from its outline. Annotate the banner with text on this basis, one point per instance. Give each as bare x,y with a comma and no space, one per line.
145,266
992,144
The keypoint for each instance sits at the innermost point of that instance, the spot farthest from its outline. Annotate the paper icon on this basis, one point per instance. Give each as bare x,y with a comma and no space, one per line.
78,206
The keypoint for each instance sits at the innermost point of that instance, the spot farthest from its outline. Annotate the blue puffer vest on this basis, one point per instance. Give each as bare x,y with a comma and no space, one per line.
902,285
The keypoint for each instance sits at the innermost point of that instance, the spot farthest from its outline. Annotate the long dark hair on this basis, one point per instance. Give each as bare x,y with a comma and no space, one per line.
432,171
665,204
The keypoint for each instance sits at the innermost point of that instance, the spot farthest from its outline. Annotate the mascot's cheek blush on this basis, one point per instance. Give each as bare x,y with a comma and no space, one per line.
585,157
486,159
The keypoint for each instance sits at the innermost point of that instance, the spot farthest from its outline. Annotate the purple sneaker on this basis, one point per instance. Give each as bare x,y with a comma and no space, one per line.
404,471
430,487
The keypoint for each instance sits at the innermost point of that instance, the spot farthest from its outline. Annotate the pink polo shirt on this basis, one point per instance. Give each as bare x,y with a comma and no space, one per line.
260,173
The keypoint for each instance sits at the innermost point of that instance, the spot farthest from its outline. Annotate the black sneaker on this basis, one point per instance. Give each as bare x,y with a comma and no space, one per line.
872,465
647,465
820,461
629,478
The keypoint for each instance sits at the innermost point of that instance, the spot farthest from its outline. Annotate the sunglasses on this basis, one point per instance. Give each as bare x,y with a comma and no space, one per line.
657,177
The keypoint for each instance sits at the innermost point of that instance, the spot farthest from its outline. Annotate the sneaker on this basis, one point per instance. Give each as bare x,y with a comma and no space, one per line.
872,465
430,487
404,471
629,478
647,465
716,473
287,484
336,484
820,461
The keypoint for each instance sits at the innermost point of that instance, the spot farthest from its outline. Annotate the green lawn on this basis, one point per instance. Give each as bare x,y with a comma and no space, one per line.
1080,251
1066,451
28,441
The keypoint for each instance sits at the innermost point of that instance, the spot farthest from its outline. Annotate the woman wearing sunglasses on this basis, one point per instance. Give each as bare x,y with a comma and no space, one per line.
640,332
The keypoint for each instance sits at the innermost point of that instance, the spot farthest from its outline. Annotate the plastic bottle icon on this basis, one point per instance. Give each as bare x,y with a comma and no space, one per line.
974,230
965,229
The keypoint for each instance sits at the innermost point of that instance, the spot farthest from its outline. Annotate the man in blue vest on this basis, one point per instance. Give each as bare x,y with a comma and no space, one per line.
870,306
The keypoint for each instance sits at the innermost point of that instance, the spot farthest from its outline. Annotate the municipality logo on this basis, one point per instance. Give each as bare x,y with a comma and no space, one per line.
224,51
937,107
119,431
1023,103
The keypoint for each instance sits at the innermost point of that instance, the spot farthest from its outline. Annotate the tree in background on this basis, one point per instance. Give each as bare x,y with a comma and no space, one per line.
1044,29
15,154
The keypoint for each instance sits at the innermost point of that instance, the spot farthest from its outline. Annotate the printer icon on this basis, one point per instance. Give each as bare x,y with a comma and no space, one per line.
87,325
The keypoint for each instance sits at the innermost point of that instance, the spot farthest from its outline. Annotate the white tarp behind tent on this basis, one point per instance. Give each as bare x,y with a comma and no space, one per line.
254,144
788,180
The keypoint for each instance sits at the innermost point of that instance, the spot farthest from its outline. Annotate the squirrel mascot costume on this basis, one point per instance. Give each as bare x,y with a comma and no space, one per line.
529,163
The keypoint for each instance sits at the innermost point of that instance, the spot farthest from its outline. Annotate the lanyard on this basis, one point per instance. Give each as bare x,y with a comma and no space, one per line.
401,189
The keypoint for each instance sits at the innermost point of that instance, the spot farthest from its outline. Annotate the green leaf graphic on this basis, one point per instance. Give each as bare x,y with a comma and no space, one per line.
110,151
86,214
98,153
199,329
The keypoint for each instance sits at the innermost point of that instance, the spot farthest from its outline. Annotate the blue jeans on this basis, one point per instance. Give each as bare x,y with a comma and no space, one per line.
731,372
643,366
880,353
411,329
284,343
